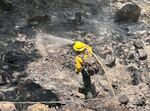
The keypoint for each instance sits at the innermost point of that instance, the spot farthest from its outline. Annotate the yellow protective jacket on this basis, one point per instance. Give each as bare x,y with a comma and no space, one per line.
79,59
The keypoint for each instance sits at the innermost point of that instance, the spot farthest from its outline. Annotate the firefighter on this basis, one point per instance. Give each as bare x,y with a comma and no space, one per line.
85,64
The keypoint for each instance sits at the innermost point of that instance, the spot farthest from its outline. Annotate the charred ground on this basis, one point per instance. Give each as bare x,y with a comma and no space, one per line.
37,60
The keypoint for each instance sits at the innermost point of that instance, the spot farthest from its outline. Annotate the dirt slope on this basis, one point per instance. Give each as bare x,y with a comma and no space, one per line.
43,33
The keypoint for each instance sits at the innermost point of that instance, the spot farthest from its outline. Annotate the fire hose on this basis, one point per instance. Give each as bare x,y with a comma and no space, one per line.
107,76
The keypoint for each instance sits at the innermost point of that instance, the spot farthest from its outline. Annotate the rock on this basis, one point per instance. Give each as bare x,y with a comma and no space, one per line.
138,44
7,107
142,54
38,107
128,13
110,60
123,99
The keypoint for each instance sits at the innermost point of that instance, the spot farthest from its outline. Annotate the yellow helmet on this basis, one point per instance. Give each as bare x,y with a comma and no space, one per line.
79,46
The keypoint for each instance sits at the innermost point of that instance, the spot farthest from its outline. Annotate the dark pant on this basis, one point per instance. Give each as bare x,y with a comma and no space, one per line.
87,86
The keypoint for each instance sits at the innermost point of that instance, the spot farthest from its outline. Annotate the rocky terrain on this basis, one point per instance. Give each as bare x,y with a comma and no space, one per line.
37,59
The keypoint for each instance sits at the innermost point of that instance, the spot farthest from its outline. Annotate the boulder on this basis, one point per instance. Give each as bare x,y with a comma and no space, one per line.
7,107
38,107
128,13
